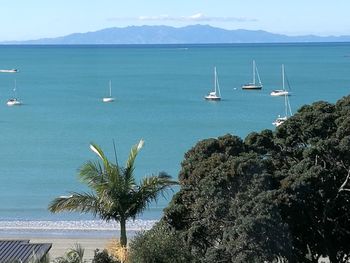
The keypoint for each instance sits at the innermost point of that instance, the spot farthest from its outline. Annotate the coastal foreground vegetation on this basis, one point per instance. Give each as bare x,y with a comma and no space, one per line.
275,196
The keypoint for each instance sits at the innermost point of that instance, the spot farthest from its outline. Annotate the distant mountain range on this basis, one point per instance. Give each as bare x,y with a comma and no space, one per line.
195,34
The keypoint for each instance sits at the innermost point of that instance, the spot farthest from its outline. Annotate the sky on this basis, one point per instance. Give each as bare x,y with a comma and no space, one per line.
34,19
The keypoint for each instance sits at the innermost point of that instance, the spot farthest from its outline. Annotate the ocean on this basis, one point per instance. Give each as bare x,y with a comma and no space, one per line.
159,91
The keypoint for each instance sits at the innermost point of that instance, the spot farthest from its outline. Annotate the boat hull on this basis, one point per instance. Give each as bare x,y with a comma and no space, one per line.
279,121
8,70
212,98
276,93
13,102
108,99
251,87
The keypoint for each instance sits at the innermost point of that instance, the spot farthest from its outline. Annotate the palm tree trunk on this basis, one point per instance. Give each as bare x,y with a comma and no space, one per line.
123,237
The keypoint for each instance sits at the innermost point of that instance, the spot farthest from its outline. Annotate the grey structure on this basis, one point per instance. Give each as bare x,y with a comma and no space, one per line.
22,251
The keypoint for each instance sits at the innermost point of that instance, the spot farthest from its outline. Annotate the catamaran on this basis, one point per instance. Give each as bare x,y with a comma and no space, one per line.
214,95
254,85
110,98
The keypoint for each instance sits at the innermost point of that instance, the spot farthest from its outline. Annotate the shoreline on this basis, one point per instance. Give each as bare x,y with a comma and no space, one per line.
63,233
90,234
85,228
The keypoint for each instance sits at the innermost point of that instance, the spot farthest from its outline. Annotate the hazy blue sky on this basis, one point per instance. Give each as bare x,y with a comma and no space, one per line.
32,19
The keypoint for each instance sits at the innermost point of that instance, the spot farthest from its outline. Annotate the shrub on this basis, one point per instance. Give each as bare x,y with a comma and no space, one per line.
160,244
103,257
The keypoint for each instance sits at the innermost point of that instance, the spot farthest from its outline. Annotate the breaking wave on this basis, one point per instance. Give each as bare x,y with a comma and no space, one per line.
70,228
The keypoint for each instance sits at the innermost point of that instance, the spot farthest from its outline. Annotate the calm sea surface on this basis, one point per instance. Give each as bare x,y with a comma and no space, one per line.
159,94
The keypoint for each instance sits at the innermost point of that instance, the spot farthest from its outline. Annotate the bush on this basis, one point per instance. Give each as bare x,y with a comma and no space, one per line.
103,257
73,255
160,244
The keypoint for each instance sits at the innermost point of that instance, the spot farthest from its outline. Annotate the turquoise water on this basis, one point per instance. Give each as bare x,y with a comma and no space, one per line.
159,94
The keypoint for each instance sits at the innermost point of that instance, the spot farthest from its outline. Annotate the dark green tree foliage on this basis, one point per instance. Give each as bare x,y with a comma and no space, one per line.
223,211
278,195
312,199
258,233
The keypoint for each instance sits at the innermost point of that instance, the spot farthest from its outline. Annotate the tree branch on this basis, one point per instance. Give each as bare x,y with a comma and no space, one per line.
342,187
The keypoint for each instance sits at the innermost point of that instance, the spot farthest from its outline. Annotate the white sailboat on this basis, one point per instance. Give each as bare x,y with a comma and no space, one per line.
9,70
283,91
214,95
254,85
14,100
287,113
110,98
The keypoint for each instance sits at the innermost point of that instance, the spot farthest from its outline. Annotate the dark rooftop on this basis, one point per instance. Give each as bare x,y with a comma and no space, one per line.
22,250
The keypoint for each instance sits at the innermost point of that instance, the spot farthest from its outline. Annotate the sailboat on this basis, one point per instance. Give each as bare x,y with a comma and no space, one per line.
14,70
287,114
253,85
214,95
14,101
110,98
283,91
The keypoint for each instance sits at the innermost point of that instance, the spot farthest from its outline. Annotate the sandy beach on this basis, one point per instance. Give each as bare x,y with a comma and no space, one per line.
90,234
61,245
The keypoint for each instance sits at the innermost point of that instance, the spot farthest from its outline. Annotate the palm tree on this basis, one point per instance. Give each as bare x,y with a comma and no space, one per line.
115,194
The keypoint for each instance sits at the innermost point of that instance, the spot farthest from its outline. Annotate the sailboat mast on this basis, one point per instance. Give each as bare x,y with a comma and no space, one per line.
215,80
283,76
254,72
15,89
110,88
218,86
285,105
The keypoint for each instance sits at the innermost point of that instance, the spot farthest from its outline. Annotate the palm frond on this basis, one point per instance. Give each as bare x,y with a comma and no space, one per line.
76,202
97,149
115,153
127,181
129,167
77,252
148,191
109,172
114,174
91,173
166,177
